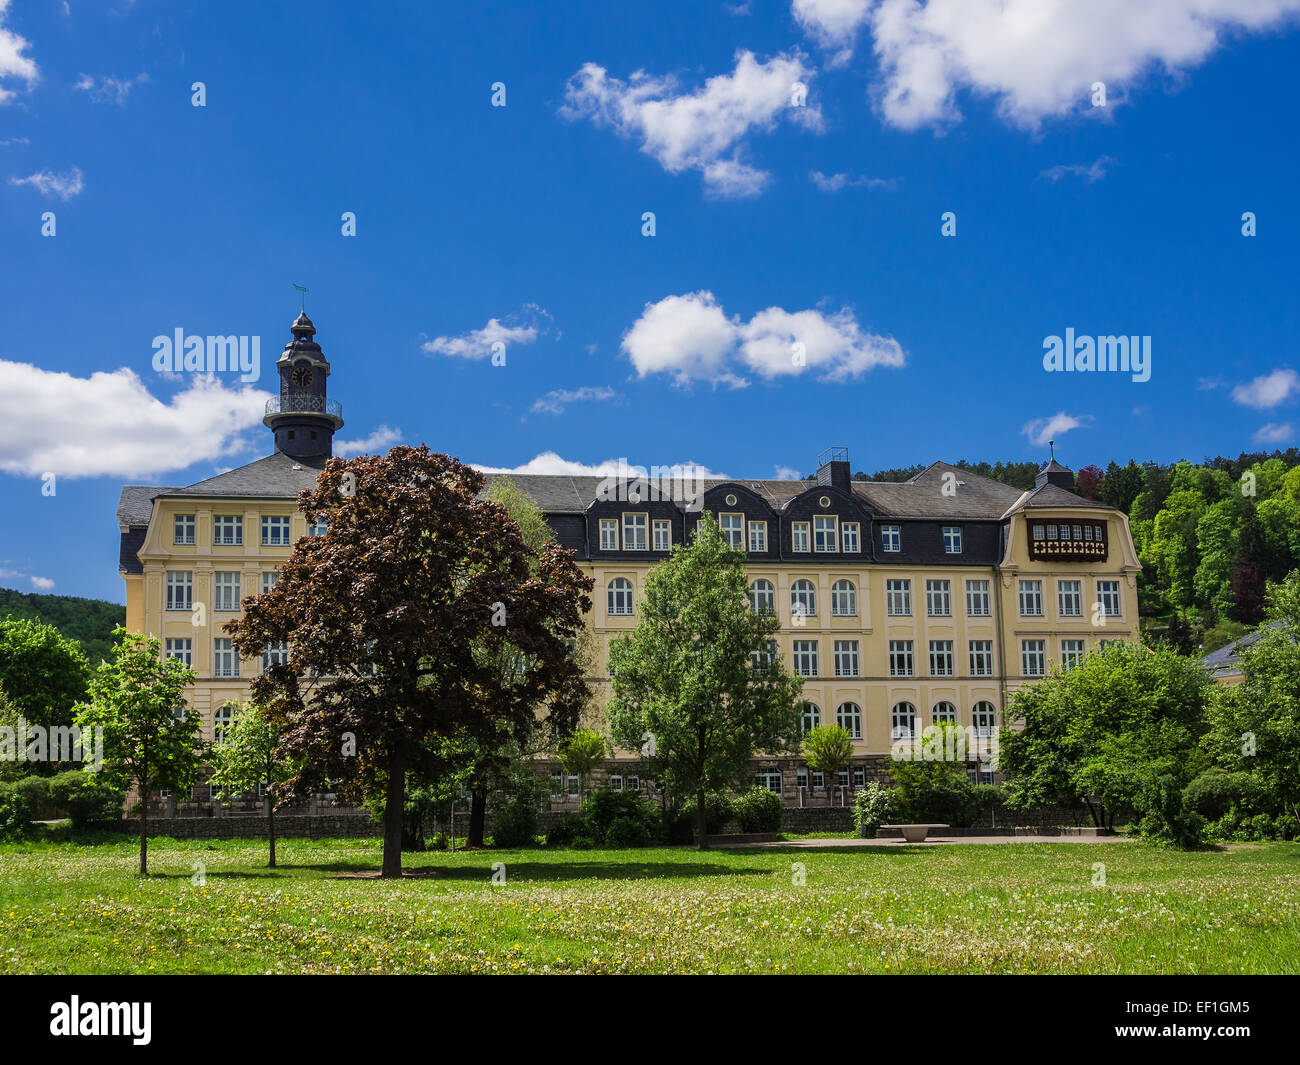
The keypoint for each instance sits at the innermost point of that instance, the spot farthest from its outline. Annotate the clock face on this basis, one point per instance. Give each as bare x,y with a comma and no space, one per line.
302,375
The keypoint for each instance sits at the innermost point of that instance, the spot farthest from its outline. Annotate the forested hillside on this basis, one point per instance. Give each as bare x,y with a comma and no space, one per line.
88,621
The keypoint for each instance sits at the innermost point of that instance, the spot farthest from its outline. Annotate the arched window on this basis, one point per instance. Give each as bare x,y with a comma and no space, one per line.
812,717
944,713
844,599
803,599
903,720
762,597
849,718
223,720
620,596
985,719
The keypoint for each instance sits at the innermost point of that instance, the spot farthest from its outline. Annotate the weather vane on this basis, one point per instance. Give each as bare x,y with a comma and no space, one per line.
303,290
1050,443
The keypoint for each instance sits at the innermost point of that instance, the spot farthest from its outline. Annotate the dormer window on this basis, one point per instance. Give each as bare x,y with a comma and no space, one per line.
891,538
634,532
799,535
952,539
825,533
608,534
733,528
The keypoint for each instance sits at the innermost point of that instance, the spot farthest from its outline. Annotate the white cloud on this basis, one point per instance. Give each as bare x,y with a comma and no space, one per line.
1268,390
1094,171
786,473
704,130
377,442
11,141
555,401
521,328
1273,433
13,63
50,184
1041,430
110,89
1035,58
42,584
839,182
109,424
548,462
692,338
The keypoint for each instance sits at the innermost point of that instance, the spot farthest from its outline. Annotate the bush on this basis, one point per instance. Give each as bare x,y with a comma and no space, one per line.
717,812
36,795
629,832
873,806
758,810
79,795
14,813
564,831
604,806
515,825
1165,817
1215,792
934,792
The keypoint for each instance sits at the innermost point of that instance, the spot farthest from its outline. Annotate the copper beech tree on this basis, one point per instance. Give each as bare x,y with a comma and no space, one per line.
383,615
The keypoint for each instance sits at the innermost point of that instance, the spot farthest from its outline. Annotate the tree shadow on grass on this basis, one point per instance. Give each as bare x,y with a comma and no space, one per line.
536,872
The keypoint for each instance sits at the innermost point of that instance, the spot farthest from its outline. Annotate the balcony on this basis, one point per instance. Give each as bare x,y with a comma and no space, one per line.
277,405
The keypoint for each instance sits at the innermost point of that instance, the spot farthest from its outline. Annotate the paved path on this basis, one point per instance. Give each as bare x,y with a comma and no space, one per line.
854,841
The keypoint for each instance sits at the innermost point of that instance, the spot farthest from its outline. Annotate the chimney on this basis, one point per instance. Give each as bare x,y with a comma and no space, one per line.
833,468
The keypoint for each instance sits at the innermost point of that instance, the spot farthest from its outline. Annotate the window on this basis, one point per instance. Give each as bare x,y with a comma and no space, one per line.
1038,532
938,599
849,533
223,720
183,529
825,537
225,663
1108,598
763,658
225,591
1051,532
1031,599
228,530
846,658
575,785
757,537
898,598
810,718
844,599
1033,658
319,527
799,535
891,538
903,721
269,577
633,783
1070,598
803,599
1071,653
801,777
762,597
981,658
733,529
634,530
769,779
842,778
620,596
180,591
616,783
984,718
941,658
944,714
977,599
609,534
275,532
900,658
276,653
805,658
859,776
663,534
1106,645
557,785
952,539
182,649
849,718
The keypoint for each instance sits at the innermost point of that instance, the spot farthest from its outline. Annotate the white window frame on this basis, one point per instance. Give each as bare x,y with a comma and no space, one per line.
233,534
277,523
179,647
902,658
826,534
663,542
1033,653
1031,595
269,577
898,597
891,538
757,537
977,594
179,581
809,712
189,524
952,539
1109,599
902,721
850,537
225,659
847,659
635,531
762,596
1069,593
226,592
848,715
799,536
1072,652
803,599
941,655
618,598
732,525
805,658
938,598
981,658
276,653
609,534
943,717
985,721
844,599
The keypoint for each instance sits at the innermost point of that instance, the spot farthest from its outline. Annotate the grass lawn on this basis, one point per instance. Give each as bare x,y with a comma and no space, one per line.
74,908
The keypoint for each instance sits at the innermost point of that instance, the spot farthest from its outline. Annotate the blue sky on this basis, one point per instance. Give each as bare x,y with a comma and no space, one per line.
778,223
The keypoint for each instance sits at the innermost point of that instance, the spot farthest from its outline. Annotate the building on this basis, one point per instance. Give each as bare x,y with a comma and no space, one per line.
902,604
1225,664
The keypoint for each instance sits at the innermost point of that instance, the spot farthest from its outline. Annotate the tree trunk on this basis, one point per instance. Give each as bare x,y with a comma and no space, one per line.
700,826
477,817
395,802
144,829
270,829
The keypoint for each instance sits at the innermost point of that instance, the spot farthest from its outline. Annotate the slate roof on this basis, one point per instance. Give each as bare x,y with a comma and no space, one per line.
1226,661
1050,497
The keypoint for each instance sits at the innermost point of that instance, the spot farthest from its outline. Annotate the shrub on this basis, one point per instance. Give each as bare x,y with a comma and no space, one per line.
934,792
14,813
1215,792
604,806
515,825
717,812
564,831
758,810
36,795
1165,817
873,806
83,799
629,832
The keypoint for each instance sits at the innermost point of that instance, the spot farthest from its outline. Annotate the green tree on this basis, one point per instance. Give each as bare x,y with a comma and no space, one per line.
685,675
828,749
151,741
1121,485
582,754
250,754
385,616
43,673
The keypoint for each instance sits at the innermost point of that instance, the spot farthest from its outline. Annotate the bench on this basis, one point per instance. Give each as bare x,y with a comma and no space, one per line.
915,833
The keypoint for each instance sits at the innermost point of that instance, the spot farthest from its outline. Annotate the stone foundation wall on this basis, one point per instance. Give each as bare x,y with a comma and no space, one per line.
288,826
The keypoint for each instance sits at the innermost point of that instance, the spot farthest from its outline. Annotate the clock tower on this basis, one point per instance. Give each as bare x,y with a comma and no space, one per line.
303,419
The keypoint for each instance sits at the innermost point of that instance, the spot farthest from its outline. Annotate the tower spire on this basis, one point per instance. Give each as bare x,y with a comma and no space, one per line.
302,416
